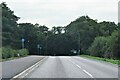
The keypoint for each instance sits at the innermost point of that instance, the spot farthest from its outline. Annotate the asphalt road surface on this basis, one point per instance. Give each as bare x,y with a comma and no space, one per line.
74,67
14,67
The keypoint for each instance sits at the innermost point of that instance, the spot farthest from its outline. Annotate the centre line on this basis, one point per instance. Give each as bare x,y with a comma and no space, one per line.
82,69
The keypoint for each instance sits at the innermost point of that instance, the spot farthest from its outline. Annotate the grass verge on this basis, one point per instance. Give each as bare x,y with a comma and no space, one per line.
102,59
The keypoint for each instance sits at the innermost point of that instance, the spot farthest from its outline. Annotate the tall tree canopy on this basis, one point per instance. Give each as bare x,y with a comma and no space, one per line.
83,35
9,25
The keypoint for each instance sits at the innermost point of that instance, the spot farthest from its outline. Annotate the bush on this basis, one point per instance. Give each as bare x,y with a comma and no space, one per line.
98,47
23,52
113,44
7,52
106,47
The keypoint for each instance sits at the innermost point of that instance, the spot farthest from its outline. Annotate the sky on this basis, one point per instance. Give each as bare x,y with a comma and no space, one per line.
62,12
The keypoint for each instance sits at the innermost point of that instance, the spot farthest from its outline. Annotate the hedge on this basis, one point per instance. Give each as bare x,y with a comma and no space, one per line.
8,52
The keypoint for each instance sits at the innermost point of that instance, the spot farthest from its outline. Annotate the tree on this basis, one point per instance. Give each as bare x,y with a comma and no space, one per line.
105,46
9,26
87,28
113,44
43,28
98,47
60,44
57,30
85,34
33,36
107,28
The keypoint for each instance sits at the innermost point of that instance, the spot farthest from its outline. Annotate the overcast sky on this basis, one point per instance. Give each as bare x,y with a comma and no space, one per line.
62,12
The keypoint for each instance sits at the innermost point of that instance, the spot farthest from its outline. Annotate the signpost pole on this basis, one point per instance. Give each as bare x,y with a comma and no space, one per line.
23,40
40,49
38,46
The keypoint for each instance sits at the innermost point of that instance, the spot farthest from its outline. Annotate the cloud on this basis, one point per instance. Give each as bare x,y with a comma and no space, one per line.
62,12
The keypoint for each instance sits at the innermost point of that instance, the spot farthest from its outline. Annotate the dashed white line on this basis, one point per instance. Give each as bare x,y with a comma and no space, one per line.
78,66
88,73
82,69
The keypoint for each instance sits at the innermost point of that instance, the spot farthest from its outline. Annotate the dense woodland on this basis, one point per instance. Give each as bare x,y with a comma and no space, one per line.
84,35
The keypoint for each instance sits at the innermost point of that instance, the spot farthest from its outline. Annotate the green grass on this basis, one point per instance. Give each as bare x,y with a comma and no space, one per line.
102,59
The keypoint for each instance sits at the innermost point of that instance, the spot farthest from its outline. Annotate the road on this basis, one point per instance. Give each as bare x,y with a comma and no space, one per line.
14,67
74,67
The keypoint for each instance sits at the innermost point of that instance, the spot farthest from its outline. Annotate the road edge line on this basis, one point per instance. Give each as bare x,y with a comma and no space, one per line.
28,70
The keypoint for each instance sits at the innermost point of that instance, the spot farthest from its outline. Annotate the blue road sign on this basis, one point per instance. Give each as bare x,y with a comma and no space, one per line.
23,39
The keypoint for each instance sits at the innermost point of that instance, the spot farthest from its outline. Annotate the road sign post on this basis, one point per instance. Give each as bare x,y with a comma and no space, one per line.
23,40
38,46
40,49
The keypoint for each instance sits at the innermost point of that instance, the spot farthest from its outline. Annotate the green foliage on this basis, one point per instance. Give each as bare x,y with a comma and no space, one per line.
23,52
88,29
8,52
96,39
107,28
105,46
60,44
33,36
9,25
97,48
84,34
113,44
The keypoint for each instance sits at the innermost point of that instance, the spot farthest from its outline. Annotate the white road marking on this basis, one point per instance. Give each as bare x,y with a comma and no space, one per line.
29,70
88,73
82,69
78,66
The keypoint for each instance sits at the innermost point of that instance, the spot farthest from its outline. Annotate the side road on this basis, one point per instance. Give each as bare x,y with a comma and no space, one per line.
14,67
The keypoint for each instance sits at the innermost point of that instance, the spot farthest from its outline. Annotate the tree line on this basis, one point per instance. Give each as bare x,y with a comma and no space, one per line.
82,36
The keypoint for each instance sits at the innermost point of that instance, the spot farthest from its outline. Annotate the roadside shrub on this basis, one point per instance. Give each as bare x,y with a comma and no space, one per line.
113,45
8,52
23,52
106,47
98,47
